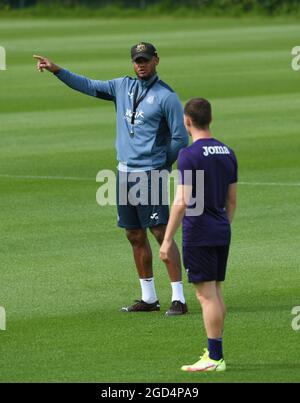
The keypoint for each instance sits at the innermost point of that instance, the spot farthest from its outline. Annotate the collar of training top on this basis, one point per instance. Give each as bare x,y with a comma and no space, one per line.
149,81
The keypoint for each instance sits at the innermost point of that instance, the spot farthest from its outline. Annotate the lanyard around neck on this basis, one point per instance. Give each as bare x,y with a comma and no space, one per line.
137,101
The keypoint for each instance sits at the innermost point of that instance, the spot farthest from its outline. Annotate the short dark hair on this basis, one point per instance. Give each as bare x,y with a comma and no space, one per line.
199,110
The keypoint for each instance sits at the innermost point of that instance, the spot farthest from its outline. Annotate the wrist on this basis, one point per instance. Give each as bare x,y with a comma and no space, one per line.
56,69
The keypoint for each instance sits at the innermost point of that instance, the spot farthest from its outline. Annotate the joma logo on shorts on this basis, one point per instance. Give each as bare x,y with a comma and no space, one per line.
215,150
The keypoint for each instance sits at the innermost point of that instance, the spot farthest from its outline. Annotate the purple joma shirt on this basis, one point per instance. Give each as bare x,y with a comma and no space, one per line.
218,161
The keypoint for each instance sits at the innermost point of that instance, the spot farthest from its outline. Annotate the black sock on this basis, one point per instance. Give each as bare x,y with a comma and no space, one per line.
215,349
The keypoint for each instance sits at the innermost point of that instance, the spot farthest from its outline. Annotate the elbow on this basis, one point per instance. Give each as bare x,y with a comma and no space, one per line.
180,203
182,142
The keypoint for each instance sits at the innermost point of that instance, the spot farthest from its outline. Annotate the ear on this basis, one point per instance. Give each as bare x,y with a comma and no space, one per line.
156,61
187,121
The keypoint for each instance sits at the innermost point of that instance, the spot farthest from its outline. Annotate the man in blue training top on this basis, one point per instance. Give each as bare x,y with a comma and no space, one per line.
150,133
206,237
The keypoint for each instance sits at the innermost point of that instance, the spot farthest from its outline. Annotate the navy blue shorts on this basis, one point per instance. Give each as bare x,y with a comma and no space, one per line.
142,215
205,263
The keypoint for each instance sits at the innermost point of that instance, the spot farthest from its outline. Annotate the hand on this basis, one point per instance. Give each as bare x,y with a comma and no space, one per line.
165,251
45,64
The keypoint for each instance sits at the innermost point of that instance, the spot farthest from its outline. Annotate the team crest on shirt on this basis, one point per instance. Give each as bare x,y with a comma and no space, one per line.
141,47
150,99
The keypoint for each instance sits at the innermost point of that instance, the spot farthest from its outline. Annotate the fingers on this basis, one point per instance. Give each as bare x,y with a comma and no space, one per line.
38,57
164,256
41,63
165,251
40,67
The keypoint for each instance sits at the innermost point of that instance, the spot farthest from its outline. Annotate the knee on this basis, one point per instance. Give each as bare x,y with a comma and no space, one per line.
136,237
200,298
205,297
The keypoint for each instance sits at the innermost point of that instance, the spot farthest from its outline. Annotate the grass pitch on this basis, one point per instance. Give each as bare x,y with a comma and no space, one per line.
66,268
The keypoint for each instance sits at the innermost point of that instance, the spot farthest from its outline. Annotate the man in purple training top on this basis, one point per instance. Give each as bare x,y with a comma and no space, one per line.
206,237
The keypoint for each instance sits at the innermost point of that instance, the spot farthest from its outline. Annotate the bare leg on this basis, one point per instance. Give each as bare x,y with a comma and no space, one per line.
221,299
141,251
213,314
174,264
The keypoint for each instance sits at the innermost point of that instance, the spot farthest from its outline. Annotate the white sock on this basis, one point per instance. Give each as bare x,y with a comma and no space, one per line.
177,291
148,290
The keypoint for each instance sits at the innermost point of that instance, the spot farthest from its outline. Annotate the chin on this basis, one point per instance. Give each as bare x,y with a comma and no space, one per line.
144,76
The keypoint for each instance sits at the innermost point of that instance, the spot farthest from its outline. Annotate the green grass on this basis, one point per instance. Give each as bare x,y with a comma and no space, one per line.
54,9
65,266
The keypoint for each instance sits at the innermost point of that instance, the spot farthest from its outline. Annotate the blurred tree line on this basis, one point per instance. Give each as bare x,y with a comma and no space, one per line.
269,6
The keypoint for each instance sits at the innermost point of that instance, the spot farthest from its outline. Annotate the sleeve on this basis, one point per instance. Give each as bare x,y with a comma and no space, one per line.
234,178
185,168
174,116
101,89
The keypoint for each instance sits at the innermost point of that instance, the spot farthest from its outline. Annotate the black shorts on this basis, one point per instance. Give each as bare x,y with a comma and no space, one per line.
205,263
142,215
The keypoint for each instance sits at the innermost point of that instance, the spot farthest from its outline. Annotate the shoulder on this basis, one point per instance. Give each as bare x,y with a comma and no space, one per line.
128,78
164,86
166,93
226,148
123,80
168,97
185,158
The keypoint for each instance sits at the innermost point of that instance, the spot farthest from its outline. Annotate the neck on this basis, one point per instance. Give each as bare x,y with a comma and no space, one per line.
198,134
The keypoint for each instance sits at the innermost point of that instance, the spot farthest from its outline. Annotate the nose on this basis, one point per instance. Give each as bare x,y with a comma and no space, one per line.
141,62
